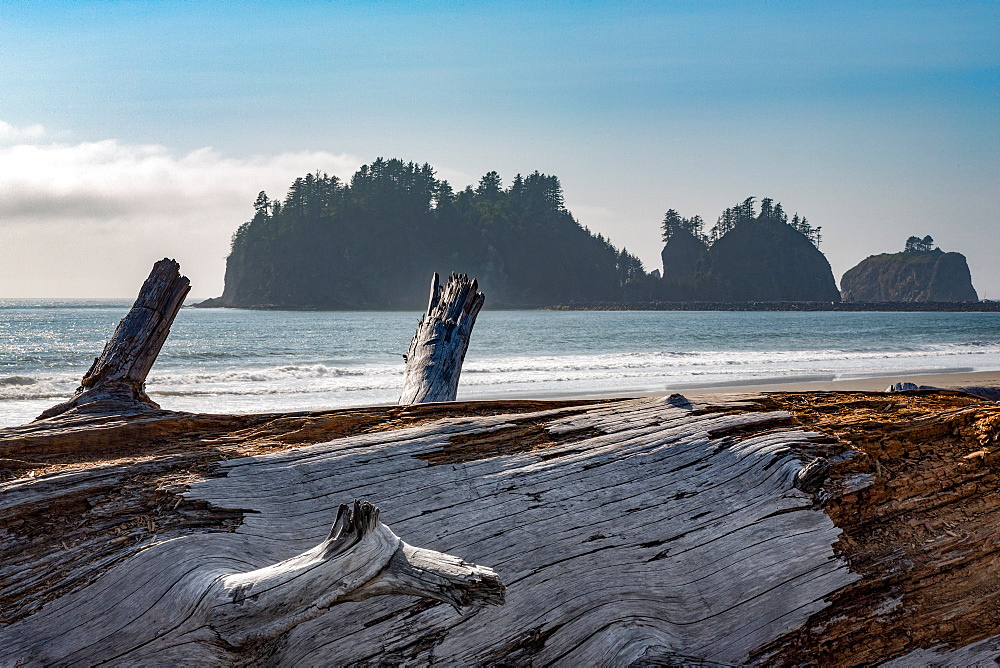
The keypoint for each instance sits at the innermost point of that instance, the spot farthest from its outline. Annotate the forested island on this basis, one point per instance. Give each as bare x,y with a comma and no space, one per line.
372,243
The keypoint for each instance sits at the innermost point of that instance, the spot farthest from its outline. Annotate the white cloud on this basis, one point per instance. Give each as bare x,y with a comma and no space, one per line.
12,135
88,219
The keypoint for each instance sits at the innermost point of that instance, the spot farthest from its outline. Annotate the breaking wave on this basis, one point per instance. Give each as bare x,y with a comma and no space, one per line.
257,375
27,387
18,380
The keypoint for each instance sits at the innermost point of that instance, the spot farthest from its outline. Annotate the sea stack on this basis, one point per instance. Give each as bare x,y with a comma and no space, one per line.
766,260
918,274
681,256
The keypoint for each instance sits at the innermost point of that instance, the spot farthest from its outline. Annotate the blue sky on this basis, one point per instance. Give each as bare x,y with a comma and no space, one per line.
877,120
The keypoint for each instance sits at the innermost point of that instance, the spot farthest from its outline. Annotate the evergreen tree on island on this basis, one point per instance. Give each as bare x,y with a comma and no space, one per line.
918,245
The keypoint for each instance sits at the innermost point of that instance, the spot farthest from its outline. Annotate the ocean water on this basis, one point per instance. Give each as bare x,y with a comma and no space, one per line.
228,360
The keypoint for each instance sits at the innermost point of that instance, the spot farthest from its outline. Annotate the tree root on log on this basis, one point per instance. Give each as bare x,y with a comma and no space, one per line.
361,558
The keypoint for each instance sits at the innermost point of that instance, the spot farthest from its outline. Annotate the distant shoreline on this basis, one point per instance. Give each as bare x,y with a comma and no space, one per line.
976,307
904,307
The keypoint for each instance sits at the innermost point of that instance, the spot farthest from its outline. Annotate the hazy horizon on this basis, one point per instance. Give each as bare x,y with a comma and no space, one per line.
130,132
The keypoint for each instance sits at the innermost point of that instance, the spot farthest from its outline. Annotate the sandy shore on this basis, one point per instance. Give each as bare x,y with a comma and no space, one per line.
873,384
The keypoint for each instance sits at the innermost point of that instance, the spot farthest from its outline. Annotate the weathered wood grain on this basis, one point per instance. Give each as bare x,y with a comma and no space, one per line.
116,380
716,531
437,350
637,536
982,654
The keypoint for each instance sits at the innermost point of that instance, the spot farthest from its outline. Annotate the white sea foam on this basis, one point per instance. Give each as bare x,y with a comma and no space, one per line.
547,372
15,388
17,380
261,375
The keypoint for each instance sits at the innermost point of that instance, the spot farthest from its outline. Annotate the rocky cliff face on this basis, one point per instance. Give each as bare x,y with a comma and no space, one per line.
681,255
932,276
766,260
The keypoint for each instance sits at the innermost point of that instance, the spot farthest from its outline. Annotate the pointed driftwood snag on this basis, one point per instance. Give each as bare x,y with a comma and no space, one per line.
434,360
117,378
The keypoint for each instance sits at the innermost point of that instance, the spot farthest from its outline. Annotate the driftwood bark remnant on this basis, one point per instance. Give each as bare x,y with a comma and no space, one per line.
117,378
434,359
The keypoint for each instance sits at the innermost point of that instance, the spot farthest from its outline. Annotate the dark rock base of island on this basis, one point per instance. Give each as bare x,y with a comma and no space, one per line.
984,306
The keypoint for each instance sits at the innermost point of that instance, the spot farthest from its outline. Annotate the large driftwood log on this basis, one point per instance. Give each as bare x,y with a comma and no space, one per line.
625,531
628,532
434,359
116,381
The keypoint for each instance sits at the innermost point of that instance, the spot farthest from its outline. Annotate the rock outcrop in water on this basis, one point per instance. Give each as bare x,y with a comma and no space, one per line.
910,276
681,255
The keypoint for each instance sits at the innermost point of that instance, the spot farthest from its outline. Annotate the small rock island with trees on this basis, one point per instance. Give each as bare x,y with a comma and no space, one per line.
746,256
921,273
373,242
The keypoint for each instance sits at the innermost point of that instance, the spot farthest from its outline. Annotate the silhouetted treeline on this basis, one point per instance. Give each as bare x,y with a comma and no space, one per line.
918,245
743,212
373,243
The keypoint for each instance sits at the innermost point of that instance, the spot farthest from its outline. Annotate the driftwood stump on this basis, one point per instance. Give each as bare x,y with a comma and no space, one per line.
117,379
434,359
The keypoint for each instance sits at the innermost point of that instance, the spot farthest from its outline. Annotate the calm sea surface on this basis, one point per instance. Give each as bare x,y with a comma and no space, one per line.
227,360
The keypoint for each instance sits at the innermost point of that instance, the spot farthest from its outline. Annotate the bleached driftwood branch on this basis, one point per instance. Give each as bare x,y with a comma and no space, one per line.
117,379
434,359
210,613
360,558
